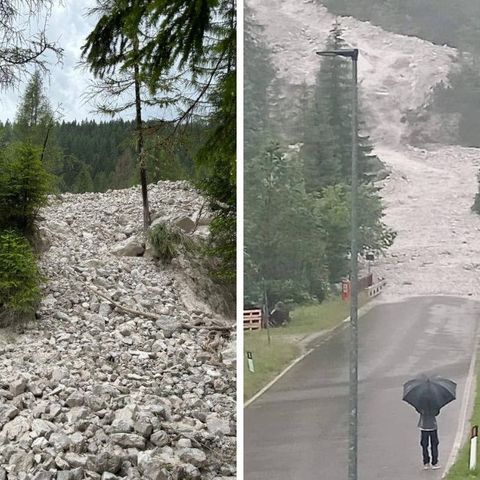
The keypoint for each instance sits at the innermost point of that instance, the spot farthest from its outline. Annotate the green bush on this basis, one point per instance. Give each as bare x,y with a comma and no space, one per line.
167,242
19,278
24,186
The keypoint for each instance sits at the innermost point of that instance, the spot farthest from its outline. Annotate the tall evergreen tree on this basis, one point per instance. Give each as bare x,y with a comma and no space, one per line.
282,237
35,123
120,76
196,39
259,74
328,142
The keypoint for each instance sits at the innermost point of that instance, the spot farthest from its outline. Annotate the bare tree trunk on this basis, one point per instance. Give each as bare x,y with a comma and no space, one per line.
140,150
45,141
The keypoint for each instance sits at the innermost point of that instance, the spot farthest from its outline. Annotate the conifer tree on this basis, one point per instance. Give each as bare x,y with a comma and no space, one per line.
196,39
35,124
83,181
328,143
120,76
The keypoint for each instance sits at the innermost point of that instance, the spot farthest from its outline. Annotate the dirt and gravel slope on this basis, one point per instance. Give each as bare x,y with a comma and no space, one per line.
430,191
90,391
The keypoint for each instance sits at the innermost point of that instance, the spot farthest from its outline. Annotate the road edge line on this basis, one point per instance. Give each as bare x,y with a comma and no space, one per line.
464,411
309,339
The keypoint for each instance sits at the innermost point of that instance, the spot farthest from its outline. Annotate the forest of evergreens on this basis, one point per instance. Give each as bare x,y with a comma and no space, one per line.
94,156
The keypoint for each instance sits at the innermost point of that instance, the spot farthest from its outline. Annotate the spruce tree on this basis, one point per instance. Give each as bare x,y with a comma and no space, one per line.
198,39
35,124
259,74
83,181
328,142
120,76
283,240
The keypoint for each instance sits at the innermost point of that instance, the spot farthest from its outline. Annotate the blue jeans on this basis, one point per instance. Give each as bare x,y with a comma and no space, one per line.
429,437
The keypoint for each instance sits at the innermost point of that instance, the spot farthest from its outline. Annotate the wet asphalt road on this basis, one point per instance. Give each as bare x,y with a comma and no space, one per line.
298,430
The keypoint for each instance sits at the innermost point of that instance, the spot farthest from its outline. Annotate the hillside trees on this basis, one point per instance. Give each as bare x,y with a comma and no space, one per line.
282,236
327,138
24,185
35,124
120,78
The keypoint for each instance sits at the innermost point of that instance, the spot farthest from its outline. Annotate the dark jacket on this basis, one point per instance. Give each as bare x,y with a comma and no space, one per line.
427,422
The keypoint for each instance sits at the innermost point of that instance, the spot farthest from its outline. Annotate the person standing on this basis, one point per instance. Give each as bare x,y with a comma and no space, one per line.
429,438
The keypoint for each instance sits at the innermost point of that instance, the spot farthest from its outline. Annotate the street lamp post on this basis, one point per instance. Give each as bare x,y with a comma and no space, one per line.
353,397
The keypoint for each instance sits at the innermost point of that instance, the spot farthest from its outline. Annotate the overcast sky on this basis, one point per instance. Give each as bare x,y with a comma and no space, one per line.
66,83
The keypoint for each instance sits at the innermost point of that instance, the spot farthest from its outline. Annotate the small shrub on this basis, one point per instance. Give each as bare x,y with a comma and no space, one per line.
19,278
24,186
168,241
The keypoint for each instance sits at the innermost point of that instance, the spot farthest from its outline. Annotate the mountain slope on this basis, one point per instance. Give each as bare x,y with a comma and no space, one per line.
430,191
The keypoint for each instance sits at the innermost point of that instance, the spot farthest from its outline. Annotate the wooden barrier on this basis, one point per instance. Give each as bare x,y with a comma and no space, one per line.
376,289
252,319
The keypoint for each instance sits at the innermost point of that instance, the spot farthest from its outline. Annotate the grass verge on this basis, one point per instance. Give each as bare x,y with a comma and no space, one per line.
459,470
285,342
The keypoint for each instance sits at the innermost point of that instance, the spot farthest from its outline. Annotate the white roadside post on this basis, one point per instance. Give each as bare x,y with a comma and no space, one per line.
250,364
473,448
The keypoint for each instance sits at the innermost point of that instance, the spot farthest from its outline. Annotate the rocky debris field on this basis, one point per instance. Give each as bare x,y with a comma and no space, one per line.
430,191
90,391
428,200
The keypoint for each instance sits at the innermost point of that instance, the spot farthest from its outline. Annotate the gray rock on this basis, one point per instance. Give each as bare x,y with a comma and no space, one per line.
77,442
21,462
160,438
75,460
217,425
77,414
59,374
184,443
15,428
96,402
75,474
128,440
59,441
109,476
194,456
8,411
143,428
39,444
65,475
42,427
186,224
151,466
105,309
76,399
131,247
108,461
122,425
43,475
18,386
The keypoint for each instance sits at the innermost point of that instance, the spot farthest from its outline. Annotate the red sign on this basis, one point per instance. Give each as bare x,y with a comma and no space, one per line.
345,289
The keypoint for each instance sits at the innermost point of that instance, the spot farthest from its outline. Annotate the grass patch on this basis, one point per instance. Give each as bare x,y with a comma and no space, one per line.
285,342
459,470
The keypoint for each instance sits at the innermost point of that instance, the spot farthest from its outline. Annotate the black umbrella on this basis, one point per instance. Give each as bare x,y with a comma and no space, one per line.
428,394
